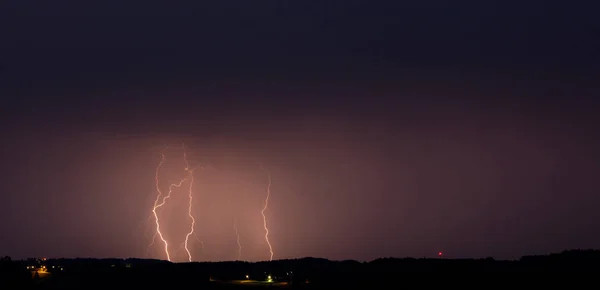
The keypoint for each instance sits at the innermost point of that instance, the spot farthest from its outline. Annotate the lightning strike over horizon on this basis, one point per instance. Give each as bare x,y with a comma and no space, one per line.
263,214
157,220
237,234
158,205
190,196
162,198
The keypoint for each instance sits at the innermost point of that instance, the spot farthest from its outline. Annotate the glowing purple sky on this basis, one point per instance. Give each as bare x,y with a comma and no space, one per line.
389,130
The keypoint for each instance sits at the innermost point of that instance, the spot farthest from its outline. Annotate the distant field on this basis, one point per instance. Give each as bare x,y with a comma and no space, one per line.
41,274
250,284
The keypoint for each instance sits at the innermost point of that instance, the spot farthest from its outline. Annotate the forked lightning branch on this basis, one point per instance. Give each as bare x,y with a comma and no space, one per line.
187,183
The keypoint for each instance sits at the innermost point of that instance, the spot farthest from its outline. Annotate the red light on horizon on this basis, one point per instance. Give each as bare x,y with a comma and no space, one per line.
440,254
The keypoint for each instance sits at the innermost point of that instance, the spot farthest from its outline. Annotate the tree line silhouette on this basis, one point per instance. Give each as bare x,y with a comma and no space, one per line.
305,273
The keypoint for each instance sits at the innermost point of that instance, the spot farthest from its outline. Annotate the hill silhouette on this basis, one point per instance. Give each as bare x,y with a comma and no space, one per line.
304,273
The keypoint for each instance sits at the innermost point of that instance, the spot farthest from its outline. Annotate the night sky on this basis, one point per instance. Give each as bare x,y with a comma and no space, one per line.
389,128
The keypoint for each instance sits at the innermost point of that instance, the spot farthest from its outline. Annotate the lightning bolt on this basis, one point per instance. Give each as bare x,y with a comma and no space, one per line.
190,196
263,214
237,234
158,205
163,159
151,244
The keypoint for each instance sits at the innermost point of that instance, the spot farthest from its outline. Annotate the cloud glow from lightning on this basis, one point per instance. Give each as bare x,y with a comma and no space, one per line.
264,217
158,205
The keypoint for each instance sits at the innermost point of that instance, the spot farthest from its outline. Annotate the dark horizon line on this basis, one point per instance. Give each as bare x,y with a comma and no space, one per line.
329,260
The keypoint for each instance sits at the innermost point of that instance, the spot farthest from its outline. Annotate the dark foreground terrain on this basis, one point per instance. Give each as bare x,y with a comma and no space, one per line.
572,269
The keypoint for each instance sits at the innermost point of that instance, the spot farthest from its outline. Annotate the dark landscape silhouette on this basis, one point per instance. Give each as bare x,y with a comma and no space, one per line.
304,273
